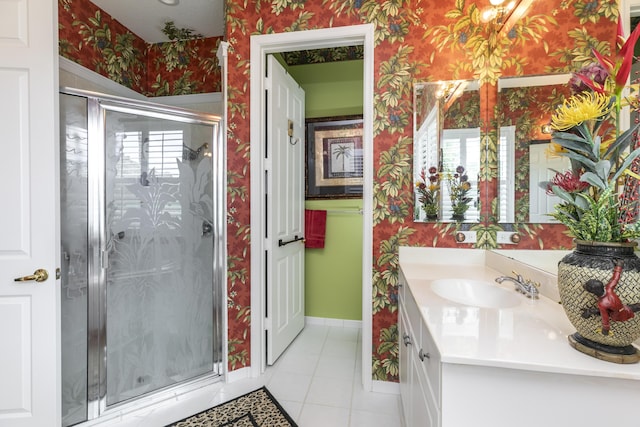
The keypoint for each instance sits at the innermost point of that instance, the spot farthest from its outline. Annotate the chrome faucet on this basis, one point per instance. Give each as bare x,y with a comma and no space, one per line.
527,287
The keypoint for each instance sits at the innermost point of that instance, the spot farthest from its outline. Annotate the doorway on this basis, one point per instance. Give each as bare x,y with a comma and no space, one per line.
261,46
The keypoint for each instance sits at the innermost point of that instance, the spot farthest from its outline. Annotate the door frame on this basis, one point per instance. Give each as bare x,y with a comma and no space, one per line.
261,46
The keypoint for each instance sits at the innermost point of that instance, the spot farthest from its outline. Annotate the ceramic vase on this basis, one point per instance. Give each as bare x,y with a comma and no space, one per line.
457,217
599,285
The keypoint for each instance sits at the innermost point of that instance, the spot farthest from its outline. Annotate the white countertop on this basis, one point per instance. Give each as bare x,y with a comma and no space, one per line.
530,336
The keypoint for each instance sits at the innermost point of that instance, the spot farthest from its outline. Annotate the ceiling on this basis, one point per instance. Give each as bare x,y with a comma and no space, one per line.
146,18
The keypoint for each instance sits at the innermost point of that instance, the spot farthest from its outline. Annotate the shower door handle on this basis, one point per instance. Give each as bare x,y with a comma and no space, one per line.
40,275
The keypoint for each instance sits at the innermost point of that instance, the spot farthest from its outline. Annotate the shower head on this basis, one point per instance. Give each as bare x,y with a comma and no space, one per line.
191,154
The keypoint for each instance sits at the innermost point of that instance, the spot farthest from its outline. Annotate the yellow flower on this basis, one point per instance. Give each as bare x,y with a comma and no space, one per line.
555,150
580,108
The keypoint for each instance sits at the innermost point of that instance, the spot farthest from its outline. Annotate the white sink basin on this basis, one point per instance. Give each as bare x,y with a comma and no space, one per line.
477,293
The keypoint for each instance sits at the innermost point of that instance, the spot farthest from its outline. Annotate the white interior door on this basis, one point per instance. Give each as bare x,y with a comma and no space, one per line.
541,168
29,220
284,164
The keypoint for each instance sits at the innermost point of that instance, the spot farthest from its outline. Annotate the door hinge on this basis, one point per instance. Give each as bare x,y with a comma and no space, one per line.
267,324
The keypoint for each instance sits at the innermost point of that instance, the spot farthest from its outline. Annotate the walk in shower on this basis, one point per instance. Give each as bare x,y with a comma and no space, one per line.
142,232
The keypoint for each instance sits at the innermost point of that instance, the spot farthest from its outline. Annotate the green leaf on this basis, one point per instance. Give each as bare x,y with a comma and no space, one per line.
595,150
622,142
584,202
586,162
627,162
594,180
563,194
574,143
603,169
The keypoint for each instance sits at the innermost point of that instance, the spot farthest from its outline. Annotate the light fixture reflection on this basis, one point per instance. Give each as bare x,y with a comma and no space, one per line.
169,2
497,12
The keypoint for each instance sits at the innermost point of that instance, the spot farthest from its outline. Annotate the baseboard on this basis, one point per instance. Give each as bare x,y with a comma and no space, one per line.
385,387
333,322
238,374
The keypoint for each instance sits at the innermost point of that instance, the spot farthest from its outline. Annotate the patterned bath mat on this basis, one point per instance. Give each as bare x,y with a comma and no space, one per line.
255,409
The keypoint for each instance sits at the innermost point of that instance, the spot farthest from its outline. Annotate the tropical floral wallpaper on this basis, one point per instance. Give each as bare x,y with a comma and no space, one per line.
90,37
415,40
464,112
317,56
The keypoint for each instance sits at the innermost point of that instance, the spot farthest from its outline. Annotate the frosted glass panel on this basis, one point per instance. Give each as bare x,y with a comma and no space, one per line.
159,291
73,227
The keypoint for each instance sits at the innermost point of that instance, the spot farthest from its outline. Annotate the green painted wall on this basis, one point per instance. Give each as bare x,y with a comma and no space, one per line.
331,89
333,275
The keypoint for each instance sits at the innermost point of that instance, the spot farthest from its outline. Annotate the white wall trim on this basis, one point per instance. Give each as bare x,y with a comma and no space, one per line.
627,8
325,321
537,80
385,387
261,45
238,374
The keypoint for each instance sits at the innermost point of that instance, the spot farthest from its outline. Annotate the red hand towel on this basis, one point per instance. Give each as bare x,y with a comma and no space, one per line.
315,226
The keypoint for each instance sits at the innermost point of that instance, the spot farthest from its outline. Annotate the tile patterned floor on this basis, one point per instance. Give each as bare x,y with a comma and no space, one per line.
317,380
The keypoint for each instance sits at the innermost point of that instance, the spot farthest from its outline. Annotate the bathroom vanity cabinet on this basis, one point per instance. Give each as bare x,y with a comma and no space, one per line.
419,365
462,364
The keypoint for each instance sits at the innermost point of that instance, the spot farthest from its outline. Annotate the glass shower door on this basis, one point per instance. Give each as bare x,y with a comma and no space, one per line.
74,263
142,234
158,251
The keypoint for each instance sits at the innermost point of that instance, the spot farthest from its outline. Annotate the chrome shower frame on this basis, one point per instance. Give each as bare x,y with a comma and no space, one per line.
97,106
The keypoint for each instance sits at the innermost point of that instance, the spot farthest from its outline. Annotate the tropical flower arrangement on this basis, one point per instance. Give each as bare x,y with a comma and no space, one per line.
459,186
428,188
586,129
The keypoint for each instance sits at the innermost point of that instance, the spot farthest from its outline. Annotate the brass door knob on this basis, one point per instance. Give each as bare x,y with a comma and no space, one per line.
40,275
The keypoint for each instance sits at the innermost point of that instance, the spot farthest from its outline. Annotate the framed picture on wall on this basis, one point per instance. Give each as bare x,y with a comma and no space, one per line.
334,157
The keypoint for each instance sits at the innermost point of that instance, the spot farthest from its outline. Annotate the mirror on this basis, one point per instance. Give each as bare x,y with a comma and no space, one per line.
446,151
523,113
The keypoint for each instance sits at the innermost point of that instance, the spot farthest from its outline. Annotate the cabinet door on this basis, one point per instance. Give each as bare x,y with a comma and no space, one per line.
429,361
423,413
405,365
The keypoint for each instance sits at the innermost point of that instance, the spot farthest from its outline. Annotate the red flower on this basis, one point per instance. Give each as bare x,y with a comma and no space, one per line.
617,66
568,182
